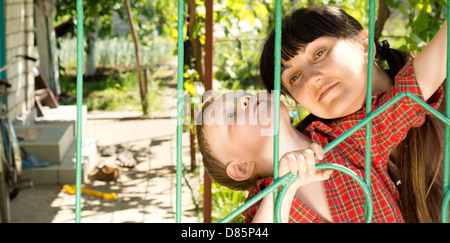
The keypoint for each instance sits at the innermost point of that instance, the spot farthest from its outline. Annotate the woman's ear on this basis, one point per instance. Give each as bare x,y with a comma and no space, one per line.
240,170
363,39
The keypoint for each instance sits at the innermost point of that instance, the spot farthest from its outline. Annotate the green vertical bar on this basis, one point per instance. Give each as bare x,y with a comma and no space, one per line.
179,106
80,50
368,157
446,191
2,39
276,92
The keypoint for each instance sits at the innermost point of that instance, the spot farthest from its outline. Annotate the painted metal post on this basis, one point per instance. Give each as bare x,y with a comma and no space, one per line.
179,107
2,39
276,93
446,179
80,50
368,152
209,75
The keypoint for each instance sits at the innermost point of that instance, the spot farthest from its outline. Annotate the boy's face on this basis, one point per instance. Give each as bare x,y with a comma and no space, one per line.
239,126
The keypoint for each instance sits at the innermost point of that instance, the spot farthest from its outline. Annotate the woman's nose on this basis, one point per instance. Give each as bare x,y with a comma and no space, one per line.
314,77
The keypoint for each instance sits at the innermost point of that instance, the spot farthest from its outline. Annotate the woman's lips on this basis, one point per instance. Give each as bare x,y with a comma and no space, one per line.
325,90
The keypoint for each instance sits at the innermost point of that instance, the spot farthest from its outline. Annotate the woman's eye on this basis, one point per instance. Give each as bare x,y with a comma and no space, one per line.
319,54
294,78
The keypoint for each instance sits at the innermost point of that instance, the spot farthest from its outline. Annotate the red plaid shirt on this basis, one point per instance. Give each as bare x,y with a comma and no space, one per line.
345,197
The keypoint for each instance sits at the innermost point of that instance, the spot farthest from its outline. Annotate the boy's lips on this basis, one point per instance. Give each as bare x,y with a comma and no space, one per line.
325,90
255,105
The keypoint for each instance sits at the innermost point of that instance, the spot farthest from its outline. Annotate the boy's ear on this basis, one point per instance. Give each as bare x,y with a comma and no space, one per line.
240,170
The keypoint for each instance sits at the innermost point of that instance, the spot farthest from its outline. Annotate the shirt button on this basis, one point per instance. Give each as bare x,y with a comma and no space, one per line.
317,220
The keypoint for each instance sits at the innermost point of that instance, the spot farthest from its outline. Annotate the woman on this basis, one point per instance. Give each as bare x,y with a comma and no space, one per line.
416,163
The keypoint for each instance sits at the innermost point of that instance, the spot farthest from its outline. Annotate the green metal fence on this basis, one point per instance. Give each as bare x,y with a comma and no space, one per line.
287,180
80,50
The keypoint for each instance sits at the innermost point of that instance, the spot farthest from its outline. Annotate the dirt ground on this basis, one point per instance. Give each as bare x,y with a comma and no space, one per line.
145,193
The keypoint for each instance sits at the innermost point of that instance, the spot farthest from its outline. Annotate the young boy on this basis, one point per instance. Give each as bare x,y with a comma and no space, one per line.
239,124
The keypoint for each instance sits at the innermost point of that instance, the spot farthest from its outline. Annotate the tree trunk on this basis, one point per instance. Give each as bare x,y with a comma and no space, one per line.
91,37
45,11
195,43
383,15
142,85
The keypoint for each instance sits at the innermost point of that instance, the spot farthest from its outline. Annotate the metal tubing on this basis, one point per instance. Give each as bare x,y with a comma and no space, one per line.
80,50
276,93
366,188
287,180
209,76
179,107
430,109
368,152
363,122
2,40
446,179
445,206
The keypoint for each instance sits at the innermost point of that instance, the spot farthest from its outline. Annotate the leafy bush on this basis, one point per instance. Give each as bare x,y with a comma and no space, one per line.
224,202
118,52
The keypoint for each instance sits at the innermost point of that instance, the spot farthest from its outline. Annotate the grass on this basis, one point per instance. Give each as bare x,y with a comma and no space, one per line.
224,202
114,87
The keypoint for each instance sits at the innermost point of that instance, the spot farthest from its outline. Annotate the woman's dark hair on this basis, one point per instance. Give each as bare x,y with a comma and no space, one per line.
418,158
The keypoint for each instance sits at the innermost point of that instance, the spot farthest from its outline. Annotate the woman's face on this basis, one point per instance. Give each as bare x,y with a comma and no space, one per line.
328,76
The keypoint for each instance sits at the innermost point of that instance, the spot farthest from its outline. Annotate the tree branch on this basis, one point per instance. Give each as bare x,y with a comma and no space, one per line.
383,15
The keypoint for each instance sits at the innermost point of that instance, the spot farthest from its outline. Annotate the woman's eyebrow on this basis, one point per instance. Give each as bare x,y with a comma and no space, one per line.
284,68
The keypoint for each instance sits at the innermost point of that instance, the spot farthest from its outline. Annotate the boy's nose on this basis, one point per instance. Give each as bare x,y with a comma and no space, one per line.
244,102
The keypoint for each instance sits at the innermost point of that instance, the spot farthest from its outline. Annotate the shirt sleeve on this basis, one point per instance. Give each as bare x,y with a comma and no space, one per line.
406,81
392,126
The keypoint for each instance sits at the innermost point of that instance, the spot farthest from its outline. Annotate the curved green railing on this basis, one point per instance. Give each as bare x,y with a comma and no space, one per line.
286,180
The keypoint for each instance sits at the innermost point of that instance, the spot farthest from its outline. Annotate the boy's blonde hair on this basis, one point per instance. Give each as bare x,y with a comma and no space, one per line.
215,168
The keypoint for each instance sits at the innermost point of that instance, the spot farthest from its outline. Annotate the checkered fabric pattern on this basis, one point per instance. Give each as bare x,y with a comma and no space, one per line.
345,197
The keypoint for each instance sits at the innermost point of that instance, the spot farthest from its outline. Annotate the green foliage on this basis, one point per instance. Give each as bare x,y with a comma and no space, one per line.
114,87
236,66
118,52
123,95
224,202
112,90
423,19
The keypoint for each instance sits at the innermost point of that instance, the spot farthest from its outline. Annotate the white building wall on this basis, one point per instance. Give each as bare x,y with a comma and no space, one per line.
19,40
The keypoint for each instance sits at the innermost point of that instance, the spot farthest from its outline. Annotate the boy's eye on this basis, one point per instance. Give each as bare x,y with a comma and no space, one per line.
230,118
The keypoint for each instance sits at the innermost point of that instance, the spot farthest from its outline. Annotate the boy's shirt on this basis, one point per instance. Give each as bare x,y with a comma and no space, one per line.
345,198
